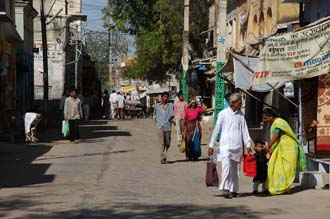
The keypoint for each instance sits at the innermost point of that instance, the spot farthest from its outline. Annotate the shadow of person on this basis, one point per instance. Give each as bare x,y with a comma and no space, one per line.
17,168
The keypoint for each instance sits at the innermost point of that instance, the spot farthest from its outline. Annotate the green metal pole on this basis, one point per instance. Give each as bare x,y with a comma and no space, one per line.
219,91
184,86
221,57
185,50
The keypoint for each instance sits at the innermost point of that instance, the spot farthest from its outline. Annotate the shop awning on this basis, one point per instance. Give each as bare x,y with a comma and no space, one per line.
158,91
243,67
128,88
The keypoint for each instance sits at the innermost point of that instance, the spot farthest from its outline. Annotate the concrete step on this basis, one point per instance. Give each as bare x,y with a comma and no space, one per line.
314,179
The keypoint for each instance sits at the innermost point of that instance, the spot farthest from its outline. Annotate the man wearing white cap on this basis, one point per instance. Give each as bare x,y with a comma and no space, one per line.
234,132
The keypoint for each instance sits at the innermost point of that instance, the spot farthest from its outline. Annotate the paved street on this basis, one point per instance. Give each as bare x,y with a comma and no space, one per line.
115,173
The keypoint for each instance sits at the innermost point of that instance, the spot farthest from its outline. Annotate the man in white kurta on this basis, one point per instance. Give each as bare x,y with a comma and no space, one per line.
31,118
114,104
231,126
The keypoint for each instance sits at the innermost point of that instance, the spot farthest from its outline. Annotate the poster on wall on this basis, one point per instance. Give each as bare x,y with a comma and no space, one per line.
296,55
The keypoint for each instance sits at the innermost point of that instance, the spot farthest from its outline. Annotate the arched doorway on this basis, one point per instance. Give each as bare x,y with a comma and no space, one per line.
261,25
269,22
253,33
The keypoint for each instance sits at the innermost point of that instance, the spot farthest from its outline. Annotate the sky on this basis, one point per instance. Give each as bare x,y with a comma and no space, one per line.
93,10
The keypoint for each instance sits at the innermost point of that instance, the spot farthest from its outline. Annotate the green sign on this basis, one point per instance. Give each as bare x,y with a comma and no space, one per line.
219,91
184,86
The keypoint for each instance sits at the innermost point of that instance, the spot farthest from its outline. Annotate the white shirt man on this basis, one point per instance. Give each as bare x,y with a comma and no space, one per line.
234,132
120,100
31,118
114,104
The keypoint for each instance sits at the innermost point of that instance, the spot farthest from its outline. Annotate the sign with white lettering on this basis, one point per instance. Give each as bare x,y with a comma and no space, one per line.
296,55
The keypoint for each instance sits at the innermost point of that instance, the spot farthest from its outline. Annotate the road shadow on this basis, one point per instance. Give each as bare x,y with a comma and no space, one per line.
92,131
297,189
203,159
17,168
21,202
95,122
85,155
294,190
175,211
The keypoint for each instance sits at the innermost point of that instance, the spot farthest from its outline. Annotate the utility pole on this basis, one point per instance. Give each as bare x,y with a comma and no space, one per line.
185,50
76,59
65,43
44,54
66,7
110,45
221,57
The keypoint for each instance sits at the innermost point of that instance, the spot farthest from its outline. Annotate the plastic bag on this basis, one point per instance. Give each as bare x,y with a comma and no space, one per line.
250,165
65,128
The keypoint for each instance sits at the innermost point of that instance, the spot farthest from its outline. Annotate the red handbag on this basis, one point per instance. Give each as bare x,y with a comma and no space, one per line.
250,165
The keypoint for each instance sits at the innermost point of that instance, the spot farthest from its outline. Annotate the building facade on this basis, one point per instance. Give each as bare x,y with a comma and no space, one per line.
315,100
8,41
24,15
248,23
63,33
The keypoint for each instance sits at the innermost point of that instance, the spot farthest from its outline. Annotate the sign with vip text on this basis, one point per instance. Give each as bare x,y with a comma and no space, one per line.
296,55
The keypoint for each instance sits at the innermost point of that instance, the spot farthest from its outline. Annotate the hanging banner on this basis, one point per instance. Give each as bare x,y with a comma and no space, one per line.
296,55
243,68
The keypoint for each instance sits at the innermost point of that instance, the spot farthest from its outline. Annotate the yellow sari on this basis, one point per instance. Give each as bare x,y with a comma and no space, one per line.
287,158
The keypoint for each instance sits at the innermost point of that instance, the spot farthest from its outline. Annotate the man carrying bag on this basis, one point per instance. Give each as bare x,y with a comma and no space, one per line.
212,178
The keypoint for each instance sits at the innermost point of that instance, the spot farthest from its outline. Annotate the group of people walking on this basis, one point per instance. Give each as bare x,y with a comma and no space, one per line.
187,118
277,162
116,102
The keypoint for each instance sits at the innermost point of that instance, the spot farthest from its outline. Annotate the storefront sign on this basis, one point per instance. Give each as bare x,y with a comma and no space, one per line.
54,51
296,55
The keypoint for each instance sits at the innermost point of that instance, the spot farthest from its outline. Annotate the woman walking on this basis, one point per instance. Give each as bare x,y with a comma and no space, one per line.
286,155
192,130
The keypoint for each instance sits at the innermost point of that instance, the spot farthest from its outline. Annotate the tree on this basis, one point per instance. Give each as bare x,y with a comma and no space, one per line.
157,26
97,47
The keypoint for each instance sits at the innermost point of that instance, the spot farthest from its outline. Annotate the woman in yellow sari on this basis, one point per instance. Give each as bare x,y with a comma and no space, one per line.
286,155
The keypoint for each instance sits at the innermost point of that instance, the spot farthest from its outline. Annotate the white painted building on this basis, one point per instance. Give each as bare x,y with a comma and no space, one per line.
60,49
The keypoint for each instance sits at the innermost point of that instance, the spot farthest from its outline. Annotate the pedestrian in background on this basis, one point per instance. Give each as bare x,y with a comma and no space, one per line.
192,130
180,107
86,108
121,105
164,114
80,96
143,101
106,104
114,104
234,134
73,113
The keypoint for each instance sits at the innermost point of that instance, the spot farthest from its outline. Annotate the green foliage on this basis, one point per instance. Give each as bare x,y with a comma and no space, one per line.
98,49
158,27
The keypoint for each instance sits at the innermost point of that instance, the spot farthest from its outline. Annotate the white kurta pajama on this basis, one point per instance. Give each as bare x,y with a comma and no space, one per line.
234,133
29,119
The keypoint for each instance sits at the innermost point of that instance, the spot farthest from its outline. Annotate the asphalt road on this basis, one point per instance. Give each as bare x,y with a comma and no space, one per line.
115,172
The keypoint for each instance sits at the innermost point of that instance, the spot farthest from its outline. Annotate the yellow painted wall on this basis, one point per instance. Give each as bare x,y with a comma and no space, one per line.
263,16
